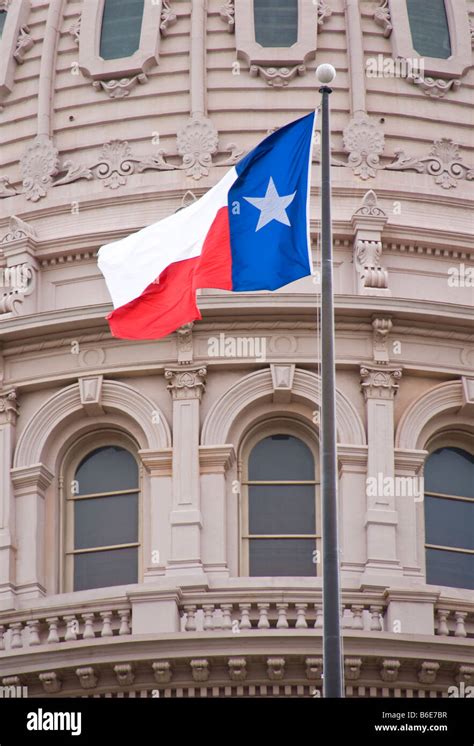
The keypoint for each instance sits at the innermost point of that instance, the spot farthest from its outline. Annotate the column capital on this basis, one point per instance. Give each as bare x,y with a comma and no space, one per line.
8,407
380,382
189,383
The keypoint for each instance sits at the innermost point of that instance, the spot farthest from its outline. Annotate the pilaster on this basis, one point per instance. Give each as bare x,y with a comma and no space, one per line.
8,417
379,385
186,387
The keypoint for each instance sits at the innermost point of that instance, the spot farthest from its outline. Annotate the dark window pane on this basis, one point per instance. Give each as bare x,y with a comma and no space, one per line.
281,458
282,509
429,28
449,523
102,569
281,557
451,472
121,28
276,22
449,568
105,521
3,18
108,469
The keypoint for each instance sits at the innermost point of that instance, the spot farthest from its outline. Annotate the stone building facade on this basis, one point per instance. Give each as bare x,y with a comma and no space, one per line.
94,148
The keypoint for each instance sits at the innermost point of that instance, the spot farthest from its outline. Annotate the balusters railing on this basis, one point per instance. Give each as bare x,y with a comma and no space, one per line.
245,622
66,628
263,621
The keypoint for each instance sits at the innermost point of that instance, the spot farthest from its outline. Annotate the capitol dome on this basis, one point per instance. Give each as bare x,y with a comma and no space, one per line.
166,494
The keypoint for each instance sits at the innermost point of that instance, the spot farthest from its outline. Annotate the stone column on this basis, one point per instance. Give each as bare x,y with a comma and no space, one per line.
8,416
30,484
186,388
157,496
380,385
216,461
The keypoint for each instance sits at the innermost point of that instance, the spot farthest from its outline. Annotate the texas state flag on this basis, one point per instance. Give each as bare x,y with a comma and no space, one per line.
249,232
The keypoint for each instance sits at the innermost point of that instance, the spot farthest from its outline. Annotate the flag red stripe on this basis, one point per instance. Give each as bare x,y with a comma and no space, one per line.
165,306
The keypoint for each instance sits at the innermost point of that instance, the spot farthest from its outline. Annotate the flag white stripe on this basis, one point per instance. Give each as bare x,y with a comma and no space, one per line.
131,264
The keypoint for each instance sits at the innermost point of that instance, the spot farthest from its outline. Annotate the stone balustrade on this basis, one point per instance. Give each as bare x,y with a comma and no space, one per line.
265,614
228,610
56,626
453,619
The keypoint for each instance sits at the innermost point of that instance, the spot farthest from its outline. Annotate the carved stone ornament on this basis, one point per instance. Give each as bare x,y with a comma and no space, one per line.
277,77
24,43
382,327
364,141
114,165
227,13
276,669
120,88
434,87
352,668
237,669
162,671
6,189
443,162
75,30
18,281
383,18
197,142
38,164
116,162
124,674
314,668
380,383
186,384
8,406
370,206
367,259
87,677
18,230
51,682
465,675
167,18
324,12
90,392
200,669
428,672
185,343
389,670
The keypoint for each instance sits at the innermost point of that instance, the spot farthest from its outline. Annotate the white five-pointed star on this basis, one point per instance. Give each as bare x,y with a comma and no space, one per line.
272,206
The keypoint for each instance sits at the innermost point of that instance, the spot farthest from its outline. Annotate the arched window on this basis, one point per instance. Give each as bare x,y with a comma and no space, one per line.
449,518
279,518
102,520
276,22
429,28
121,28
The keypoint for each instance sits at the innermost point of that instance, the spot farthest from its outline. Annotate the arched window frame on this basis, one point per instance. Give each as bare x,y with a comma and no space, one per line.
85,445
458,22
156,19
17,16
275,426
289,61
452,438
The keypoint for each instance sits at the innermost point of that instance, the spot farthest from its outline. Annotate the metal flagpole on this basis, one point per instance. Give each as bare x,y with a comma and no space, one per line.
333,684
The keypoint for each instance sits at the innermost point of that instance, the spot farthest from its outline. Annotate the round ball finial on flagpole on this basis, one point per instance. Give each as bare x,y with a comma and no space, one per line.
325,73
